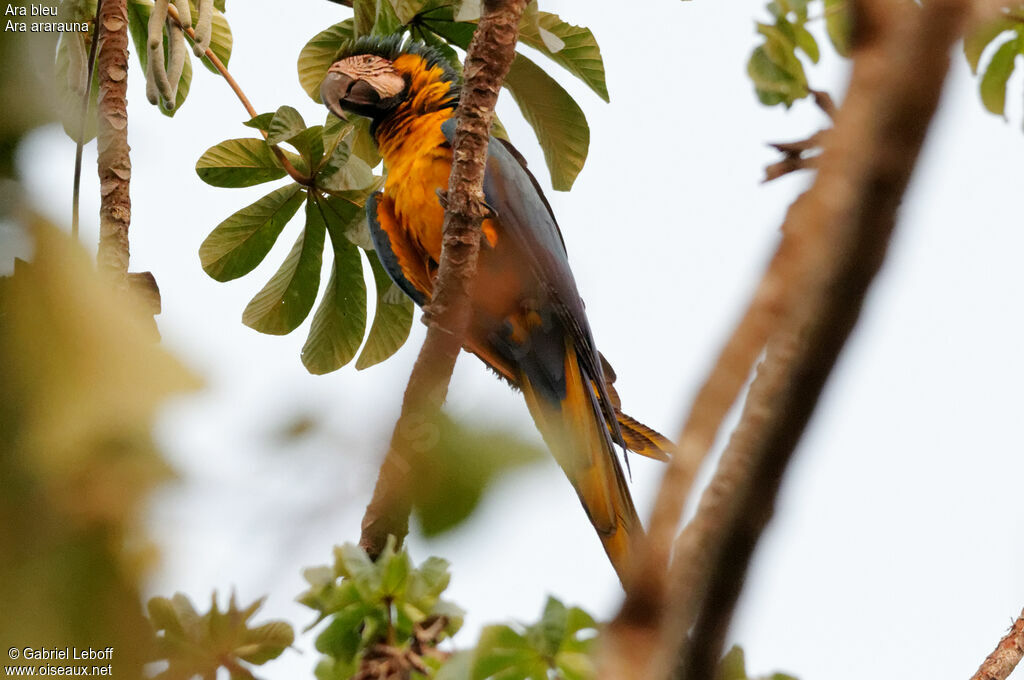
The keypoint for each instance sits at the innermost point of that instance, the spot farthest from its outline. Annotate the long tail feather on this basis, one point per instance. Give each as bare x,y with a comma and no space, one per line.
575,429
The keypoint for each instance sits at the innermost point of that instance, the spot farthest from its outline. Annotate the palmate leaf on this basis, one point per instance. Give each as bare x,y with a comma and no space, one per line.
392,319
239,243
195,645
318,55
340,321
239,163
285,301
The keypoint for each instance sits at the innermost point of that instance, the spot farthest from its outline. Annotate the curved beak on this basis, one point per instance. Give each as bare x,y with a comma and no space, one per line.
333,90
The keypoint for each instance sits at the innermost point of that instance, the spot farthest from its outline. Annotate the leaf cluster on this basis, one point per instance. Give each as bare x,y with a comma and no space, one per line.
380,612
339,180
776,65
195,645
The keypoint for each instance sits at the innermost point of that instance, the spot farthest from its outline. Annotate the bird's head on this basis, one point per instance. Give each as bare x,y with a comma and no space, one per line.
375,77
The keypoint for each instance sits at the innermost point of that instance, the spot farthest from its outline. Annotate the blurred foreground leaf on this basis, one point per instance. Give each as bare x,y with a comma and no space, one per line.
195,645
463,461
80,383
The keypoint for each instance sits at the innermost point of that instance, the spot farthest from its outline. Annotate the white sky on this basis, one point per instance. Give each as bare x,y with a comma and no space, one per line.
896,548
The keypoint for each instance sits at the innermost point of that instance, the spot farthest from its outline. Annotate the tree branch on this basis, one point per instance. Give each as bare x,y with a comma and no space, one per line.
292,171
1005,657
447,315
113,161
834,240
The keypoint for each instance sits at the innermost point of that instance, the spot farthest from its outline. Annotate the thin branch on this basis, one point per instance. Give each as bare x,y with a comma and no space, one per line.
236,88
833,242
113,160
76,191
447,316
1005,657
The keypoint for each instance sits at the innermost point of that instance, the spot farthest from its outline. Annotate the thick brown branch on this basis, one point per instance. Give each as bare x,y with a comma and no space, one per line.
835,237
447,316
1005,657
113,162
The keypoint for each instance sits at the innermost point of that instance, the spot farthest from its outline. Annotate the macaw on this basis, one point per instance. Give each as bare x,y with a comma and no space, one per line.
528,321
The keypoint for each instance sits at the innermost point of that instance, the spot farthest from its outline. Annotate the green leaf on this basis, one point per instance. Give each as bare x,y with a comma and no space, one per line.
352,562
976,41
364,12
264,643
733,665
549,633
467,459
392,319
459,666
286,124
318,55
579,54
353,175
239,163
502,650
260,122
997,73
773,84
340,321
386,21
395,574
838,25
239,243
806,42
556,118
285,301
361,142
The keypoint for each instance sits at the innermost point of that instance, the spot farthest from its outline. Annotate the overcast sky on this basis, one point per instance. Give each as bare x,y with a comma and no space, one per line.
896,550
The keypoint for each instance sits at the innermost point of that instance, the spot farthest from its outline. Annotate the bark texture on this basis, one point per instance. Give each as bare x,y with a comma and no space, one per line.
834,241
113,162
1005,657
447,316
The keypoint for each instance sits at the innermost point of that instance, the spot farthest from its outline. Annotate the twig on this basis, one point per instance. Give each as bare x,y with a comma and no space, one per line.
834,240
795,156
1005,657
113,160
76,191
447,316
236,88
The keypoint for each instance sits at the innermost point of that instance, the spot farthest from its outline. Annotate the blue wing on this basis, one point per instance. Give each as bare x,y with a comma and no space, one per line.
526,217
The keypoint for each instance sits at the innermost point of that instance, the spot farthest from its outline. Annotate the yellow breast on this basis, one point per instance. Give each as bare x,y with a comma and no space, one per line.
418,163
